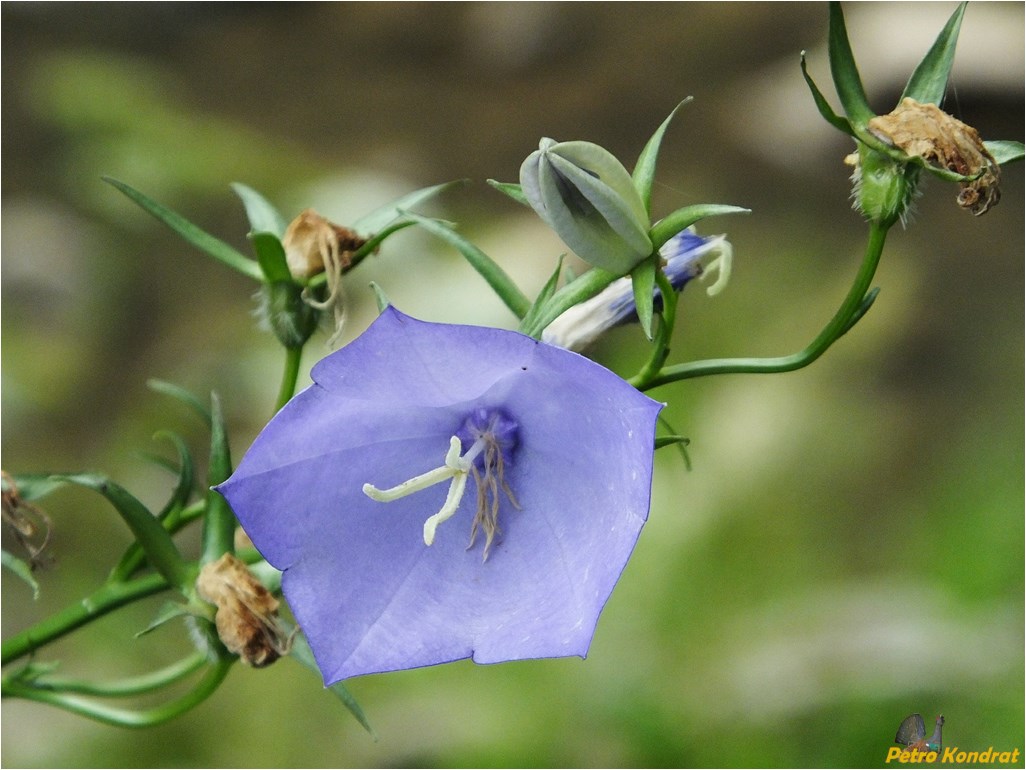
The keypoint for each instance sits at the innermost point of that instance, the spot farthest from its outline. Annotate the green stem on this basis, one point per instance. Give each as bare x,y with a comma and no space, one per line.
121,688
853,305
105,599
289,377
120,717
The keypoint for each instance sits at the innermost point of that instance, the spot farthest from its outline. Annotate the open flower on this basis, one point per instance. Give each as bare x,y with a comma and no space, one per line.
443,492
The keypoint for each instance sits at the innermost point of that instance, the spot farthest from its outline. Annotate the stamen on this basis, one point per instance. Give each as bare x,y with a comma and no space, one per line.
491,435
721,265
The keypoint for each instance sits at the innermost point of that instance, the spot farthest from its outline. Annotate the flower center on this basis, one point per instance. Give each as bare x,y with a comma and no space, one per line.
492,437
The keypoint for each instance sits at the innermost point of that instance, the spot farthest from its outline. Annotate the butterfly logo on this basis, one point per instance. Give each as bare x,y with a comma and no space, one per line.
912,733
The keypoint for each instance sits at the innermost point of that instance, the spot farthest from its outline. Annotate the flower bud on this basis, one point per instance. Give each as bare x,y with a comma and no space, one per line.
683,254
291,318
586,195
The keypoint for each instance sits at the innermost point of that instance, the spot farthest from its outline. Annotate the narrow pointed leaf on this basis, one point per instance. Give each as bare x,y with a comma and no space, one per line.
544,295
20,568
134,557
169,611
387,214
486,267
643,284
181,394
219,521
199,238
644,169
155,541
845,73
822,104
302,653
1005,151
930,78
512,189
683,218
263,216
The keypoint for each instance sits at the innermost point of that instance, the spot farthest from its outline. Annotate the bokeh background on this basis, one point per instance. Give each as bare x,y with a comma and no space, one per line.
848,548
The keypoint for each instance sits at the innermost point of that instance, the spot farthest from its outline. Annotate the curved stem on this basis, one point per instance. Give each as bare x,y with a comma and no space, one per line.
105,599
135,685
121,717
289,377
852,306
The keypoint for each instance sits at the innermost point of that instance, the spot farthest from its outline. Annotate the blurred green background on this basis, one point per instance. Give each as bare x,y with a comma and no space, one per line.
848,548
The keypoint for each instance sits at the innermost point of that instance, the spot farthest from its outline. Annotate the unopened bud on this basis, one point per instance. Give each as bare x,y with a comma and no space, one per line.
586,195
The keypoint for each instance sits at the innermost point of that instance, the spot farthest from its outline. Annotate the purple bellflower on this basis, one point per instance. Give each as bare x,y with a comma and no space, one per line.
359,490
583,323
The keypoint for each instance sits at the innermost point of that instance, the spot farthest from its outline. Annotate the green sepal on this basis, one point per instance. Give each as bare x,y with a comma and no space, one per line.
644,169
544,295
21,569
182,395
512,190
156,543
199,238
271,256
218,521
683,218
167,612
263,216
845,73
581,288
386,215
831,117
643,284
486,267
1005,151
302,654
930,78
662,441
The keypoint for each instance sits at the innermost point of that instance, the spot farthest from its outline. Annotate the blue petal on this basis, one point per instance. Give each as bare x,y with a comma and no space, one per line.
369,594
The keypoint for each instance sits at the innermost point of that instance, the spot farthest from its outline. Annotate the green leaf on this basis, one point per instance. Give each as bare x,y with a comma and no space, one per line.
33,486
930,78
302,654
643,284
486,267
387,214
263,217
271,256
181,394
683,218
155,541
168,611
512,189
201,239
845,73
20,568
134,557
823,105
219,522
1005,151
544,295
644,169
